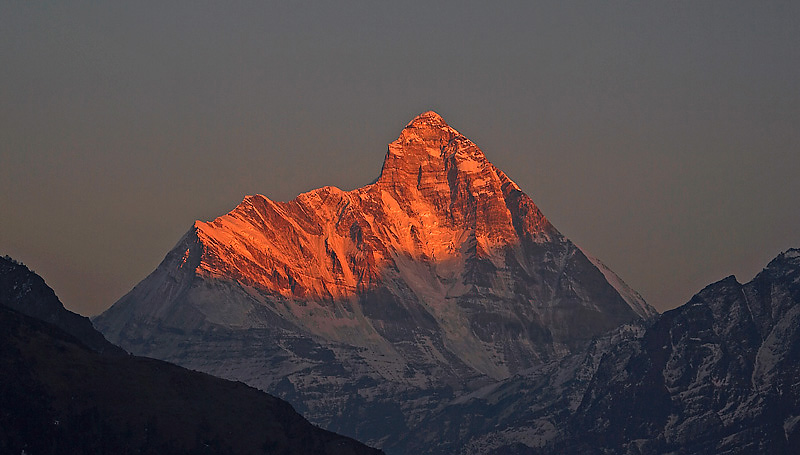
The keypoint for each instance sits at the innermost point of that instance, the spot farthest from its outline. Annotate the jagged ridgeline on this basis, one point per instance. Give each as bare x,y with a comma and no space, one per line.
718,375
367,308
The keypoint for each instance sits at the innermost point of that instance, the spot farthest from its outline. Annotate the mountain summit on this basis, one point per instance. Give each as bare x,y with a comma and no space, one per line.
440,277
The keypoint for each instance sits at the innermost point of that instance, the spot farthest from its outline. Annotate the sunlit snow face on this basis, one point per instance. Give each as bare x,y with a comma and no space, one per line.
437,200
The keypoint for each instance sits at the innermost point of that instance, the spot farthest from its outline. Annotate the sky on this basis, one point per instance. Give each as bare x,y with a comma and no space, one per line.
661,137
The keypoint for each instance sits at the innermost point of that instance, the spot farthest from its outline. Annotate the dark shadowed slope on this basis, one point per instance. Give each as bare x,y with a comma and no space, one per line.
720,374
57,396
26,292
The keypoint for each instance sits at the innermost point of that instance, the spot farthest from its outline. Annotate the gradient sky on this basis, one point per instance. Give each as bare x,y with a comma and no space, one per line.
662,137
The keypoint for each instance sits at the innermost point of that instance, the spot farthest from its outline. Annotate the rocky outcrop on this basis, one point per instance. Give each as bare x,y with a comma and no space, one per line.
720,374
366,308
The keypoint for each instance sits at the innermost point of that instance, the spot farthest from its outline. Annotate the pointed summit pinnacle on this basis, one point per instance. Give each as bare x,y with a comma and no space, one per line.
429,123
423,146
429,118
428,126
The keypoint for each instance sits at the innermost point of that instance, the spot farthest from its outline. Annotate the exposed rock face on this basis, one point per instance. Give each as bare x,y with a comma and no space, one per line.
368,307
720,374
58,396
26,292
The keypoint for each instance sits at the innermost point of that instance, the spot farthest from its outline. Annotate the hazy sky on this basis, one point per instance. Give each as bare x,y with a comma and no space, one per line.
662,137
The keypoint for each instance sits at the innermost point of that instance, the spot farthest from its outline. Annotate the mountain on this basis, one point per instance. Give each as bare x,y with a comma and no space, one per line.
26,292
60,396
720,374
368,308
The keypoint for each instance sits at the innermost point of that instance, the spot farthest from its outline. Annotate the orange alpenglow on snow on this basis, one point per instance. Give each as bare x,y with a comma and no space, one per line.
441,274
437,199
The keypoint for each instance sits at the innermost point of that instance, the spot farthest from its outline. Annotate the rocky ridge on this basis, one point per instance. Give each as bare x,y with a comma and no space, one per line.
719,374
